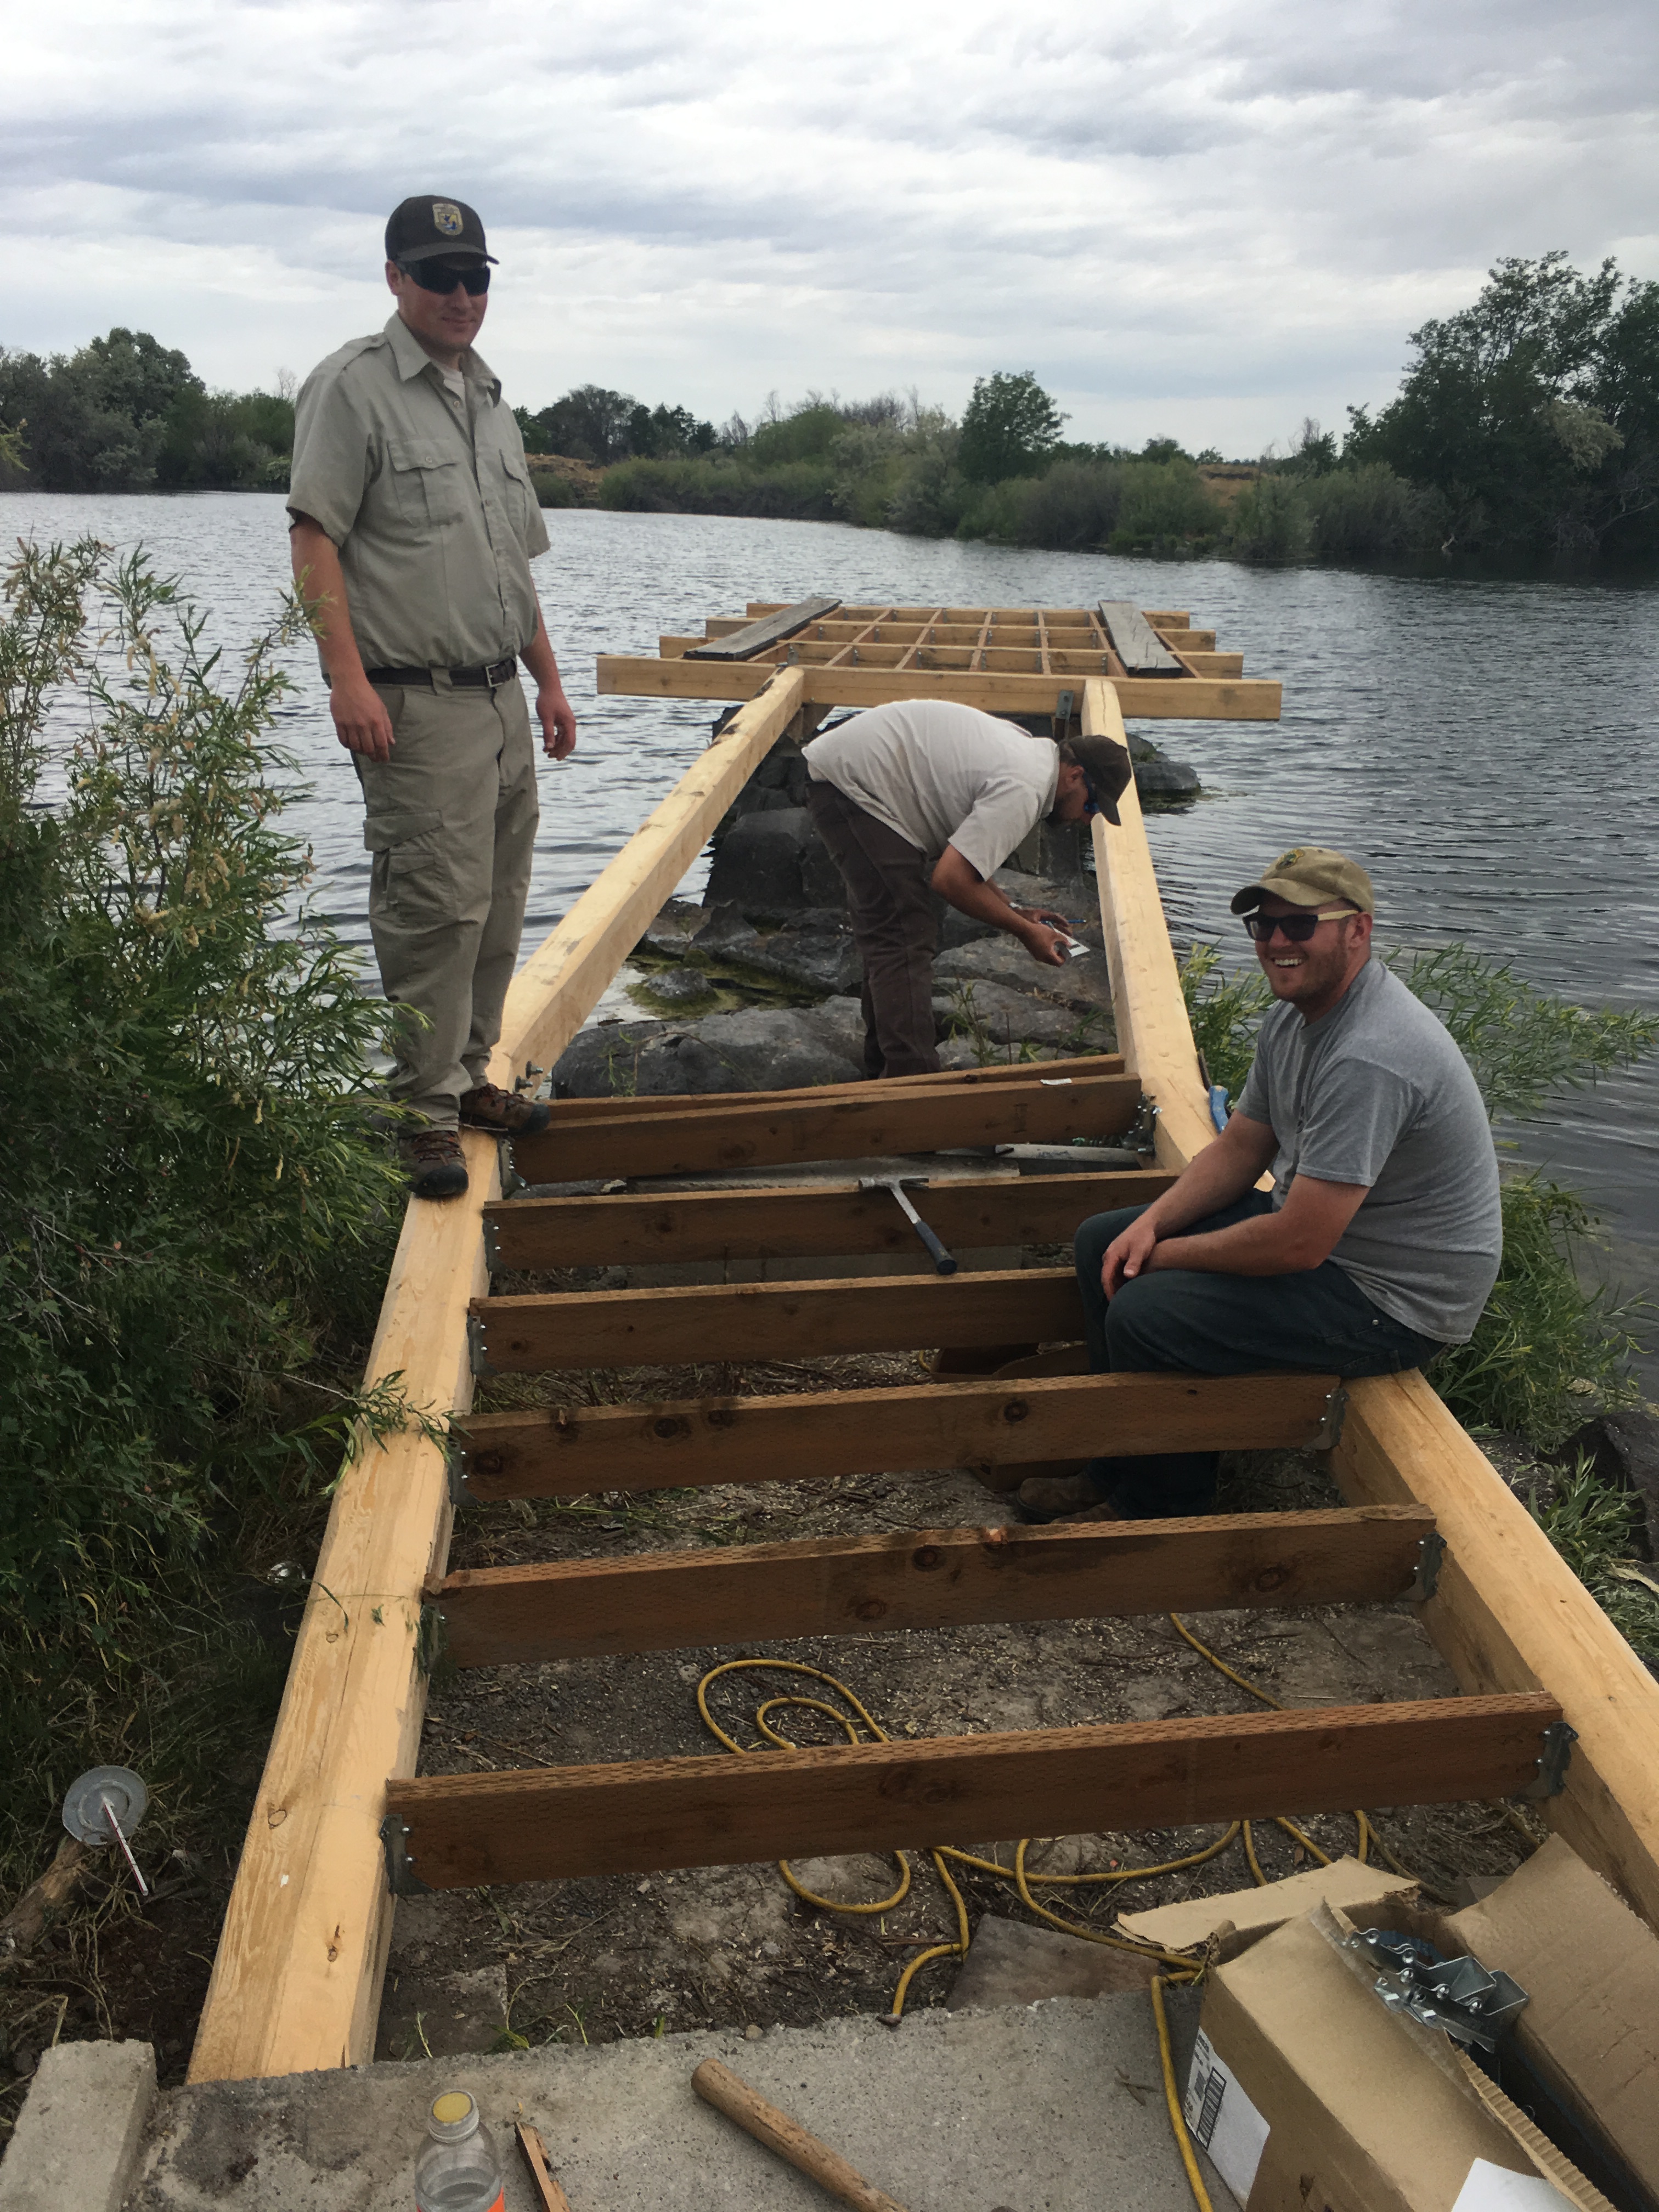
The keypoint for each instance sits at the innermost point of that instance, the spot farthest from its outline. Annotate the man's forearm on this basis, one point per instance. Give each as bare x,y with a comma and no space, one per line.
538,658
1267,1245
321,582
1219,1176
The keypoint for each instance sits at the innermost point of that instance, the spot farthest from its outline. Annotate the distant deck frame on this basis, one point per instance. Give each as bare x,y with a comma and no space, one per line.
297,1975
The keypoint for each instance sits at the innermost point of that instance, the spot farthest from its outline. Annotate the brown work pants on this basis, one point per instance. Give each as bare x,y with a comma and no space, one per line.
895,926
450,820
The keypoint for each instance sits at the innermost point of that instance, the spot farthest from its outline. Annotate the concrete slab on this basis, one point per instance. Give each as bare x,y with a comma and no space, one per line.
1053,2108
78,2136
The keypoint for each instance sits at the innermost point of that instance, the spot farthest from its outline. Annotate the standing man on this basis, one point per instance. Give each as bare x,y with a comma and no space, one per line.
1380,1240
923,796
414,526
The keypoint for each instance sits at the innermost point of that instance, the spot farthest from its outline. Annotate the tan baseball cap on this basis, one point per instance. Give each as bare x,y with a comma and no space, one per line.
1308,875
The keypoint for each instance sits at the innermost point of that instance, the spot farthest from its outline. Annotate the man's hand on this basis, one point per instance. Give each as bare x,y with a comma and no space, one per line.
1127,1256
1047,916
558,720
1040,942
361,720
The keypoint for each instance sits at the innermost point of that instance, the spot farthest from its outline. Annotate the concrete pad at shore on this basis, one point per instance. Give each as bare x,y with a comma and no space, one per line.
1054,2107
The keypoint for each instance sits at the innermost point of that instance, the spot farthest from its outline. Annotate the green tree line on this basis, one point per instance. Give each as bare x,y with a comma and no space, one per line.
1526,428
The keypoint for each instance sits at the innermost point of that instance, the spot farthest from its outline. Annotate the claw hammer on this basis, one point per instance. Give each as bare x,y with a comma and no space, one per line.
944,1261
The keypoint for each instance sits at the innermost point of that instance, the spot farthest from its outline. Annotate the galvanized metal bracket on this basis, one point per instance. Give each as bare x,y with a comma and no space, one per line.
1141,1135
477,1349
1553,1761
492,1246
400,1875
1065,705
455,1469
527,1081
1329,1434
1430,1557
512,1182
431,1639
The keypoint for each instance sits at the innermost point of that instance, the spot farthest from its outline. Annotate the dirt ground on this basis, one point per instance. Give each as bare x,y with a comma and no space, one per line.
599,1959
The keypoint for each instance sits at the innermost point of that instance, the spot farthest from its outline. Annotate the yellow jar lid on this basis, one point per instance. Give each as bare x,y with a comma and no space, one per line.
455,2105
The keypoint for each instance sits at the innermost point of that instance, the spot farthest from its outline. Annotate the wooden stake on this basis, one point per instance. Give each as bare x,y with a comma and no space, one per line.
545,2181
729,2094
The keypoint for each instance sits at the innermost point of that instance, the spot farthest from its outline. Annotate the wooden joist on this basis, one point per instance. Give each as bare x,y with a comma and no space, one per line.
771,629
1136,643
925,1579
566,1452
699,1139
566,1111
528,1234
774,1321
1242,699
641,1816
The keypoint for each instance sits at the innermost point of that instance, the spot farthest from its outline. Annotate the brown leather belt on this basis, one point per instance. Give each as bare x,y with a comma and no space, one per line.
463,679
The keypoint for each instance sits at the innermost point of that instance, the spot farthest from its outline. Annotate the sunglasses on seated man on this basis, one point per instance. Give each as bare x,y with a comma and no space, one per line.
445,275
1295,928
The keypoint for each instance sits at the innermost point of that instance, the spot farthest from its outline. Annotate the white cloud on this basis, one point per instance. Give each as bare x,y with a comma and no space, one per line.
1214,221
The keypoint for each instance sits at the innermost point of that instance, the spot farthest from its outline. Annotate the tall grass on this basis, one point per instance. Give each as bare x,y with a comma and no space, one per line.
198,1215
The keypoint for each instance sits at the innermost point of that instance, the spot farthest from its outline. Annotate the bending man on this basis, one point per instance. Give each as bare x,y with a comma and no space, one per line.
414,526
1380,1241
922,796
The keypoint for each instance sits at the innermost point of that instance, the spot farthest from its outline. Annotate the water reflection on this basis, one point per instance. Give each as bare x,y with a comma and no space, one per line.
1485,749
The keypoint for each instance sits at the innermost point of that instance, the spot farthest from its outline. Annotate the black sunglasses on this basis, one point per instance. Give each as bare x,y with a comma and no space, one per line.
1295,928
436,276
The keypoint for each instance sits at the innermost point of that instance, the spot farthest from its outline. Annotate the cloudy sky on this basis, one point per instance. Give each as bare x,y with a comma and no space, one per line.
1210,219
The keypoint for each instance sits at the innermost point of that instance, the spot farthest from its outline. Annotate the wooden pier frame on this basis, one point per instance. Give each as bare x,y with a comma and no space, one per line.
296,1980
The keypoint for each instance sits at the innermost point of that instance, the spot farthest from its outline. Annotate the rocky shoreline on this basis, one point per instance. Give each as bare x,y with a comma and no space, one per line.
757,987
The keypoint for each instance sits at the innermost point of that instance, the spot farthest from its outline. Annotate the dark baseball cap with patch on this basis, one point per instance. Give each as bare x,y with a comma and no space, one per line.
1106,770
426,227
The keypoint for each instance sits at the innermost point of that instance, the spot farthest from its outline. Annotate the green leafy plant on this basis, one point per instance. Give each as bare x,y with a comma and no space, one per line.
1593,1526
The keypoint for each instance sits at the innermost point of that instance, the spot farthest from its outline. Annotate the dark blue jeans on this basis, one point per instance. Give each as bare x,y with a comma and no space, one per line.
1318,1318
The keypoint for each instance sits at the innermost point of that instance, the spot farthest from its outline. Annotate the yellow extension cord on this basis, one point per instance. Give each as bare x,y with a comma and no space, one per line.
1185,1970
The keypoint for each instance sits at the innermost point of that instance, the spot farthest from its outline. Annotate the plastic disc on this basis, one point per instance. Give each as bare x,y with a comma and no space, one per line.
83,1812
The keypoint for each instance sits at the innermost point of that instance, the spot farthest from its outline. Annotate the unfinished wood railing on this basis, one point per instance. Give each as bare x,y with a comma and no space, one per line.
296,1981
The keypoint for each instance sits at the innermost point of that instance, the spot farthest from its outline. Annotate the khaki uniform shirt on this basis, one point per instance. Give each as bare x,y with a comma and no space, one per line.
428,498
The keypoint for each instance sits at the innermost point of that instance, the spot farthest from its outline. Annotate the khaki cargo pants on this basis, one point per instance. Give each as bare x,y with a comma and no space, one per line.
450,821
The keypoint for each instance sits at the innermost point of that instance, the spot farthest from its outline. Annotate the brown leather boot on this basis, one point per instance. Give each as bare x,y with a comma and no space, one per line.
435,1162
503,1113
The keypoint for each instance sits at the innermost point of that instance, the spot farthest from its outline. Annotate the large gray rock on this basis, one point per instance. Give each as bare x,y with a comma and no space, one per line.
754,1048
812,950
1003,960
1004,1020
759,863
1166,780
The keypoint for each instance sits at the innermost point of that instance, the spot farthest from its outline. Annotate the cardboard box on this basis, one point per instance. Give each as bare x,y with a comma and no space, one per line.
1591,2029
1254,1913
1311,2096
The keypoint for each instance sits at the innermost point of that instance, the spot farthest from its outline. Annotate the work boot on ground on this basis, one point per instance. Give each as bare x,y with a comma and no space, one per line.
503,1113
1062,1497
435,1162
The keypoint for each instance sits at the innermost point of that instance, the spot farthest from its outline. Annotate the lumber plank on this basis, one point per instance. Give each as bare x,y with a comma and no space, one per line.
296,1977
925,1579
1507,1613
771,629
777,1320
566,1111
852,1125
530,1234
1150,1014
566,1451
1242,699
1135,642
643,1816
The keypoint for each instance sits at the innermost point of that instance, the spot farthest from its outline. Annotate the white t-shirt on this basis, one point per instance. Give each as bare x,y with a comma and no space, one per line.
939,775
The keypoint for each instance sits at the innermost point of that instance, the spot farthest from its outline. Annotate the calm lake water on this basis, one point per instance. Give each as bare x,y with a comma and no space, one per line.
1487,749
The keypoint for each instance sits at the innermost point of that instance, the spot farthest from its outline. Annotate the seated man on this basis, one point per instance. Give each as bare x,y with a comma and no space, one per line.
923,784
1380,1240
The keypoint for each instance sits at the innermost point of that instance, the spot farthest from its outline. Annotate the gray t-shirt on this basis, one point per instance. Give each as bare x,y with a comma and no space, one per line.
938,774
1375,1092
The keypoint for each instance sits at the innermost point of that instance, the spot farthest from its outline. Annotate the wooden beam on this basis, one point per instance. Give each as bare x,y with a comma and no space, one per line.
1147,1007
1135,642
925,1579
777,1320
1507,1613
566,1452
755,637
701,1139
639,1817
296,1978
564,1111
1244,699
530,1234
